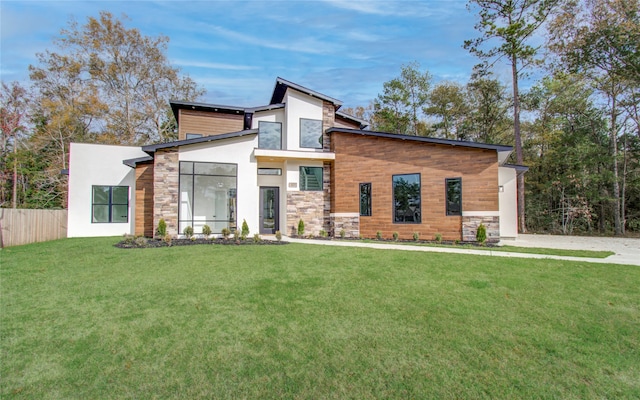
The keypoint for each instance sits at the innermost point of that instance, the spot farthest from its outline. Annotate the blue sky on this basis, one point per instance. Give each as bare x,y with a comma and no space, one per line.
236,49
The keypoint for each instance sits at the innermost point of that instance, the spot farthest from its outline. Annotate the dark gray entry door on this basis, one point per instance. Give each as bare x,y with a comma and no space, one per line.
269,209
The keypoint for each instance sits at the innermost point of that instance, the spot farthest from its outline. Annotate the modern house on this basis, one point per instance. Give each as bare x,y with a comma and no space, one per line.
296,158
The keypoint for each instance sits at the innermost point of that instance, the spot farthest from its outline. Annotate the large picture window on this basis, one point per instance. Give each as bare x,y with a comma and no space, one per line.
110,204
270,135
311,178
406,199
454,196
207,196
365,199
311,133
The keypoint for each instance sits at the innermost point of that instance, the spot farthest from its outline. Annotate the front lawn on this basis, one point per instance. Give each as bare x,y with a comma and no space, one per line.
80,318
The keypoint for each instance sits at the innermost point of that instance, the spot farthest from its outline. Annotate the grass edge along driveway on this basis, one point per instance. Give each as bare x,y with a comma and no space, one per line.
82,319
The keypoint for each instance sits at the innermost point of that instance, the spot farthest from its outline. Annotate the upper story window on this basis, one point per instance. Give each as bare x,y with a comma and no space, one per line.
454,196
311,133
406,199
110,204
269,135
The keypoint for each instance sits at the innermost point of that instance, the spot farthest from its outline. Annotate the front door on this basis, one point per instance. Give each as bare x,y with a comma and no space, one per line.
269,209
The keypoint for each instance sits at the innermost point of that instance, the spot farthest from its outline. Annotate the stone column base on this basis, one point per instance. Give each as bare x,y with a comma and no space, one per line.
350,222
470,225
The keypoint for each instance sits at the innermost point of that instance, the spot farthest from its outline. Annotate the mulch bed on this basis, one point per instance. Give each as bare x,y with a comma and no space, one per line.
137,243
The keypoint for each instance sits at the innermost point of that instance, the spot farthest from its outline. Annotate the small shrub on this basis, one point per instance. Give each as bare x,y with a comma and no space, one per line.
481,234
278,236
206,230
379,235
167,239
360,237
343,233
141,241
301,228
457,242
438,237
128,239
416,236
395,236
245,229
236,235
225,233
323,233
188,232
257,238
162,228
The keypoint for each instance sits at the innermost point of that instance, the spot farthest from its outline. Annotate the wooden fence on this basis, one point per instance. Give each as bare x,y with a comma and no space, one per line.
23,226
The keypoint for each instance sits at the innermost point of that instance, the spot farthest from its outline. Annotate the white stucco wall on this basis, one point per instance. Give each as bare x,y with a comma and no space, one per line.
236,151
507,200
299,105
95,164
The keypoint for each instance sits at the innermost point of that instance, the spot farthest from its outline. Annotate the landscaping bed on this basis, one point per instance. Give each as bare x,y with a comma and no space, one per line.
143,243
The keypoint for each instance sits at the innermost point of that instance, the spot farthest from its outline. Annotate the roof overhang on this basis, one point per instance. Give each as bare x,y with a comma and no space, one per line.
283,155
132,162
351,118
152,148
520,169
177,105
281,88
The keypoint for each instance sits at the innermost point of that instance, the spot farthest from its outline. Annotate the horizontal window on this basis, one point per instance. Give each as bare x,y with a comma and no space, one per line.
406,199
454,196
365,199
311,178
110,204
269,171
193,135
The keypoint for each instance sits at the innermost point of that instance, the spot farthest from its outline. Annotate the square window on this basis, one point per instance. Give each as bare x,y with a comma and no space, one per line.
269,135
110,204
311,178
311,133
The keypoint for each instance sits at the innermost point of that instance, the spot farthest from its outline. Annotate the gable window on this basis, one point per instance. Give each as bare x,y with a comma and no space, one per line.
406,199
454,196
311,178
311,133
365,199
207,196
269,135
110,204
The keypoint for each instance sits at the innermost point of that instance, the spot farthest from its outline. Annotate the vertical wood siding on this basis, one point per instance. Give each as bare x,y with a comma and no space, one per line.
24,226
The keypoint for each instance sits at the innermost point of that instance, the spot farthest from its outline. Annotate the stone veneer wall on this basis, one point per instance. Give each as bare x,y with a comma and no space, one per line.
350,222
165,195
328,121
313,207
470,227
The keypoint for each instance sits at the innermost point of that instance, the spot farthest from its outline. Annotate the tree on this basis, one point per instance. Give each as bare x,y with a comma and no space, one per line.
511,23
448,102
488,121
397,109
111,82
13,118
602,40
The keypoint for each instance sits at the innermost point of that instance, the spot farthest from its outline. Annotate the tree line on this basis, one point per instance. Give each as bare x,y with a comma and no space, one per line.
577,128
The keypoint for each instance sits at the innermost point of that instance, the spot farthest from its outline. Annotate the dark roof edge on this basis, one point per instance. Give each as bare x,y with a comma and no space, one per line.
280,89
268,107
132,162
518,168
424,139
362,122
205,106
152,148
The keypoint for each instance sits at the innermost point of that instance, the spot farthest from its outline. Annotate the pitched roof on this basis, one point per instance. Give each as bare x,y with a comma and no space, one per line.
281,88
423,139
362,122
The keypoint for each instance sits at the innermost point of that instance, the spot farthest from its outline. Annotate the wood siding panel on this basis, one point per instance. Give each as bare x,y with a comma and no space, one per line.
361,159
208,123
144,200
341,123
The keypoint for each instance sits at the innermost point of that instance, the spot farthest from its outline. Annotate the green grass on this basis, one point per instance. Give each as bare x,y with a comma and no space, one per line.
514,249
82,319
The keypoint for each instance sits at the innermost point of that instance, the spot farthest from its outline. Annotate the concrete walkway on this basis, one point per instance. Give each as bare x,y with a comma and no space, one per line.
627,250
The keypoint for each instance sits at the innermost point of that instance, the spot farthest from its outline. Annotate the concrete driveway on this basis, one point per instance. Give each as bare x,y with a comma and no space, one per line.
627,249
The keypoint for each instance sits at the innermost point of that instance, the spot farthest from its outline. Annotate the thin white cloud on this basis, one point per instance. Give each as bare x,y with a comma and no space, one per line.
212,65
392,8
